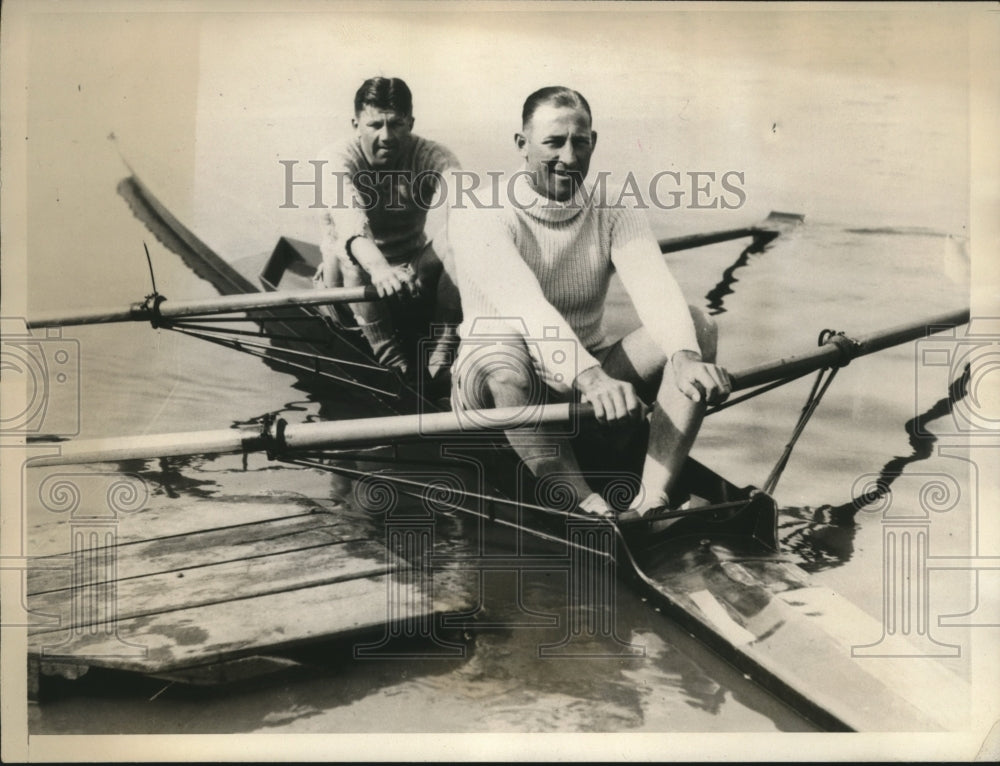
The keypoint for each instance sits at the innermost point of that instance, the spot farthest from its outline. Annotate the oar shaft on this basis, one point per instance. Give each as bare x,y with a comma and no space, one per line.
691,241
386,429
225,304
89,316
830,354
331,433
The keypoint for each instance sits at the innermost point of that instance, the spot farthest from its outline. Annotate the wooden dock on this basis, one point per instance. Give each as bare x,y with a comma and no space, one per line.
202,588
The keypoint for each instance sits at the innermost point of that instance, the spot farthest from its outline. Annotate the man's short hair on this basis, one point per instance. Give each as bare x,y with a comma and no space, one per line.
553,95
384,93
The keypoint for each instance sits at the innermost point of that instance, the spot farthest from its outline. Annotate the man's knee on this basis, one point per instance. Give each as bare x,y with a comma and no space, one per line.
499,375
509,383
448,302
707,332
429,270
428,264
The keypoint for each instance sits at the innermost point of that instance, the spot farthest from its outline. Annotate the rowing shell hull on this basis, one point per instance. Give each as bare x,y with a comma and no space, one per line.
800,641
718,574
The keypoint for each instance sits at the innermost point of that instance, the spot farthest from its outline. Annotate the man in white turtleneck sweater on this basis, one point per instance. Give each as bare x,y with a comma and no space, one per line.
540,268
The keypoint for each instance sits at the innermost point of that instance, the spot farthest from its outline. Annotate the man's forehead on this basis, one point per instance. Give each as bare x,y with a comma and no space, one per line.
369,113
549,119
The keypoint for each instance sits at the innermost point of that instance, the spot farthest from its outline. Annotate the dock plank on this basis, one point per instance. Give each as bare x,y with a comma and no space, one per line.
145,503
218,632
176,552
184,583
164,517
207,584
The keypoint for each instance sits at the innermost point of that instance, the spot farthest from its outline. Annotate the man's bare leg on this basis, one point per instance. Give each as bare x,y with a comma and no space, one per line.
508,379
437,284
374,319
675,420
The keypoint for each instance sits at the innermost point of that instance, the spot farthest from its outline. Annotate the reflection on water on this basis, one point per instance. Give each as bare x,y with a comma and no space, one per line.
716,296
172,476
501,684
921,440
913,231
823,537
817,537
724,286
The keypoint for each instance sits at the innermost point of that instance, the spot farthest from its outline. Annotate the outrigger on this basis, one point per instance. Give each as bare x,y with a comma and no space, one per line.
714,567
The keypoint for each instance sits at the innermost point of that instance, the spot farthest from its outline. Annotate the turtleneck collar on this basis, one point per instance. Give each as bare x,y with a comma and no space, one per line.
541,207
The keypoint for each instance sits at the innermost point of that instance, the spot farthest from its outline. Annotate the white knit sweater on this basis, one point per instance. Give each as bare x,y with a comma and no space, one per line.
542,269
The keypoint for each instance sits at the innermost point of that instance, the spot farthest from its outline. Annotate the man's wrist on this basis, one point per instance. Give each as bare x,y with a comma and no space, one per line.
685,355
348,244
370,258
585,375
365,253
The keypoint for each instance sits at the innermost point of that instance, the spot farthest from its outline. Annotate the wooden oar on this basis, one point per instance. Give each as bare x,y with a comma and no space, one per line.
840,350
151,311
762,233
279,437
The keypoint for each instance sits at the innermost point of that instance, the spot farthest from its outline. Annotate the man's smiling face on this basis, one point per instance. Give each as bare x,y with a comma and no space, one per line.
557,144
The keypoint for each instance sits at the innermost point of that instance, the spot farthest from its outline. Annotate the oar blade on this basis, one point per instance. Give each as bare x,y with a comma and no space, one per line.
146,447
776,224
